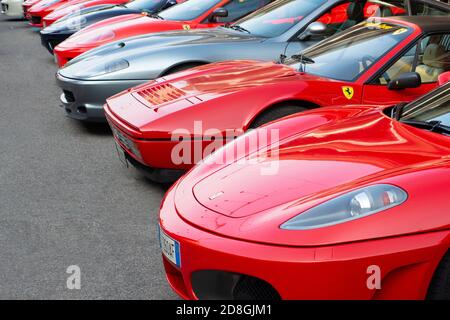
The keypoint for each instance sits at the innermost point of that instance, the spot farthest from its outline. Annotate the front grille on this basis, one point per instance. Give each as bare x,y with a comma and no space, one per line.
249,288
35,20
69,96
160,94
222,285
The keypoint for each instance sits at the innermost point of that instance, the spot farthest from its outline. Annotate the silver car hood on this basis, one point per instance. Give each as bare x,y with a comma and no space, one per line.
141,51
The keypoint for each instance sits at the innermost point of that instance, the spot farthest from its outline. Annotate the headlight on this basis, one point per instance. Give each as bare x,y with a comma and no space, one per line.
76,23
102,68
64,25
353,205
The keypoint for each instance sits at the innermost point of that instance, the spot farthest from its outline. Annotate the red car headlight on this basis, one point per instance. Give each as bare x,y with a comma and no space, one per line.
350,206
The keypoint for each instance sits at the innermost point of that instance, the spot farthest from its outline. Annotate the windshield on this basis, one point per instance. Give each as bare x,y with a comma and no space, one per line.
278,17
347,55
150,5
434,106
188,10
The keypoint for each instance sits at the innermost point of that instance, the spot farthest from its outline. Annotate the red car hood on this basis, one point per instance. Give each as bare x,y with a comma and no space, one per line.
66,8
124,26
39,7
315,166
74,5
30,3
312,163
166,96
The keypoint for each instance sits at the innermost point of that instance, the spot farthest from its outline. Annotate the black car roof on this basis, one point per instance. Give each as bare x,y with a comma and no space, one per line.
427,23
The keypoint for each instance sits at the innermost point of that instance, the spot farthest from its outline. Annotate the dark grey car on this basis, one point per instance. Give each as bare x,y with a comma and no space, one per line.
280,29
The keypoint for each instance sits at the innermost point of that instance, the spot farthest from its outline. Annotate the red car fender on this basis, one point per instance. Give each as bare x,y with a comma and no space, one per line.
444,78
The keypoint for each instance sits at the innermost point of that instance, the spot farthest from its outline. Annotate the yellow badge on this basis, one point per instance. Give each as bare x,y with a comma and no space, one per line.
186,27
399,31
348,92
377,25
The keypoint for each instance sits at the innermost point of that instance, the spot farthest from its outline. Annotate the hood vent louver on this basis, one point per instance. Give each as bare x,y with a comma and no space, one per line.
160,94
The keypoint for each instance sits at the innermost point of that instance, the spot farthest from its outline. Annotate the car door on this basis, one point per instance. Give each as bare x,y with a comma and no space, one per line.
429,57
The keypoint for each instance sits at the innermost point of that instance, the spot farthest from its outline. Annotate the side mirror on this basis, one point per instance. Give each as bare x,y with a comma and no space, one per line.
218,13
314,29
444,78
169,4
405,80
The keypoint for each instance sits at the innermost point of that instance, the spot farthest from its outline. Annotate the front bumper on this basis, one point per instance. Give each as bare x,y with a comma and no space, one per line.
83,100
51,40
35,20
212,264
150,157
148,153
25,8
47,22
64,55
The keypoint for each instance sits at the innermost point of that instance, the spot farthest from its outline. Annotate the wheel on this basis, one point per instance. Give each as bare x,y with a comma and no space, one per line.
182,68
440,284
276,113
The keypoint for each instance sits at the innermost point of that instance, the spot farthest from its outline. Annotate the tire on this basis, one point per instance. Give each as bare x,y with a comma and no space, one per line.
440,284
275,113
182,68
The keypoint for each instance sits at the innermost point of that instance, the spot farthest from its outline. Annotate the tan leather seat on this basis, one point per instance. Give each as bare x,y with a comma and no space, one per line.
433,63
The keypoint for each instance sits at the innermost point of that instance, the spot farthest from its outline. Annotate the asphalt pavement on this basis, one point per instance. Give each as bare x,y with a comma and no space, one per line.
65,198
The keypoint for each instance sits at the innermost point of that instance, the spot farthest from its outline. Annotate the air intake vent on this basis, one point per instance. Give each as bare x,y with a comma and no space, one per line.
35,20
160,94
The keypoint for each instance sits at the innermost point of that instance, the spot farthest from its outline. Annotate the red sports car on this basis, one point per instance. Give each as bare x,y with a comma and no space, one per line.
27,5
74,6
169,124
354,206
39,10
191,14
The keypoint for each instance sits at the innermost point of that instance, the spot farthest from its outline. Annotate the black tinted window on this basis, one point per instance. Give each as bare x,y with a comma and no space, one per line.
240,8
423,9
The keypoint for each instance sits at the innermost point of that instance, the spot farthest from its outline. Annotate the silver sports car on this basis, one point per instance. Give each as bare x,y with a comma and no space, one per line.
280,29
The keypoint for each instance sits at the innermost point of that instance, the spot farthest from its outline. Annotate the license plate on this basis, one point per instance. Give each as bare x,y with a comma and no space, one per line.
121,155
170,248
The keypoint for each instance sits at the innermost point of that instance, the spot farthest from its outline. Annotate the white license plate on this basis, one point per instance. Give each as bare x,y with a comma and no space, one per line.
121,154
170,248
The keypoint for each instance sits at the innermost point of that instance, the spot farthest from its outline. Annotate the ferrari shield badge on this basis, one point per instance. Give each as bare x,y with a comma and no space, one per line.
186,27
348,92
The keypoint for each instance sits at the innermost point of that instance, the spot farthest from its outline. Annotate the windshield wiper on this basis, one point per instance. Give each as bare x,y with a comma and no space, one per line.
304,60
434,126
156,16
239,28
397,110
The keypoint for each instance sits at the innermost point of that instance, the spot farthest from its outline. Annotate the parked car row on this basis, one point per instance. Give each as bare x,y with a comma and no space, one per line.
308,141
